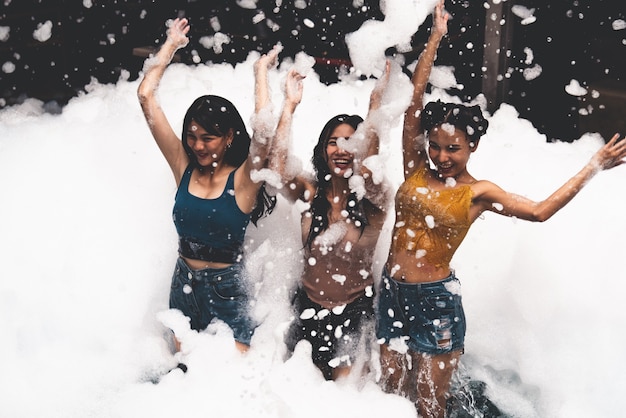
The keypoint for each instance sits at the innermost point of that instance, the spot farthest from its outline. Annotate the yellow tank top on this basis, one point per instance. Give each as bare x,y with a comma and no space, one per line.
430,223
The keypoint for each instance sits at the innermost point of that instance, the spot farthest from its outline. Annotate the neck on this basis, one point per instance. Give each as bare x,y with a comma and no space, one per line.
212,169
338,191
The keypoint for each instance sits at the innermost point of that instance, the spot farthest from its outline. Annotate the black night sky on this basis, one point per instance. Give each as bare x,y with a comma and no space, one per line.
91,38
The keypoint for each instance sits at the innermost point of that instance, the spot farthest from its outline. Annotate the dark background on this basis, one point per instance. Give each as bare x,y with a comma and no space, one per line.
571,39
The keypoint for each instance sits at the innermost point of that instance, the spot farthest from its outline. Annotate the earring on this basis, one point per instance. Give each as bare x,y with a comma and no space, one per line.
229,144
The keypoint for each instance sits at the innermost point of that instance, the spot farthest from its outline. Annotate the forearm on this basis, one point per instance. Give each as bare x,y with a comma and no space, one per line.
423,69
261,89
280,146
154,68
263,122
561,197
425,62
413,141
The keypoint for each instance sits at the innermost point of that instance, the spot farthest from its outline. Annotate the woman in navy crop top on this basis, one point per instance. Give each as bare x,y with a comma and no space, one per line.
216,196
420,319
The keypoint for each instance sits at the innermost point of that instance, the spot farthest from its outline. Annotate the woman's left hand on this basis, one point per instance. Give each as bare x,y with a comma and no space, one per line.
293,87
376,97
440,19
611,155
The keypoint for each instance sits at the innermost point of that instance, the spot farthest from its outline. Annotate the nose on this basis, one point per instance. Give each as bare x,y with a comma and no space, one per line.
441,156
198,145
343,152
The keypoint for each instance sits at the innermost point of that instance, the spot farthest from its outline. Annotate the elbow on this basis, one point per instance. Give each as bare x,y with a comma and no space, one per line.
144,92
142,95
545,210
540,216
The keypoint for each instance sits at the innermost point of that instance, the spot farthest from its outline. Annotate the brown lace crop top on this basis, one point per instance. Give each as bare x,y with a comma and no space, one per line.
430,223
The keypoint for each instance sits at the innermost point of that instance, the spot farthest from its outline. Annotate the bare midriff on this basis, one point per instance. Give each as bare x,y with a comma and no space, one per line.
201,264
403,266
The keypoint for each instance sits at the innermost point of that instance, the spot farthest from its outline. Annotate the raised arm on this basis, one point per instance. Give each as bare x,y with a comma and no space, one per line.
262,127
493,198
295,187
413,141
371,121
371,171
154,67
263,120
261,84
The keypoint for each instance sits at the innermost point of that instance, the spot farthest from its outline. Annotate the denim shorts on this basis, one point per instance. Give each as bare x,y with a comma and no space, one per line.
337,336
208,294
429,316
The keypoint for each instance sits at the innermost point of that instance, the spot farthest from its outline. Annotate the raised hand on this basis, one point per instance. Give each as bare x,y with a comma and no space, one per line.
440,19
261,67
177,30
293,87
269,60
611,155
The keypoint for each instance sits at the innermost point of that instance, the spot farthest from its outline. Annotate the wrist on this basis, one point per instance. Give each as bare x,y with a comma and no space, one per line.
437,36
290,106
592,168
260,70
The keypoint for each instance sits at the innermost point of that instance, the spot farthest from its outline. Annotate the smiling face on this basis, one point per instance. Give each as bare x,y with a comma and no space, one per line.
339,161
208,148
449,149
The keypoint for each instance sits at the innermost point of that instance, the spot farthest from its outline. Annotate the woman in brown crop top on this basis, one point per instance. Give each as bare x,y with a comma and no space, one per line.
340,230
423,339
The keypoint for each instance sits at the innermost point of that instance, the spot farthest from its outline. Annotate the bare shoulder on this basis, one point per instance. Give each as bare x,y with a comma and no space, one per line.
485,193
481,187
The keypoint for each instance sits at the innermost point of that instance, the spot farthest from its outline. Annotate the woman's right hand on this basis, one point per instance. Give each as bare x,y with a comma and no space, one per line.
177,32
269,60
440,19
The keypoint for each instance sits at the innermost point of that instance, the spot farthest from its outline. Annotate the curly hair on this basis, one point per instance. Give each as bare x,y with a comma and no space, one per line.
469,119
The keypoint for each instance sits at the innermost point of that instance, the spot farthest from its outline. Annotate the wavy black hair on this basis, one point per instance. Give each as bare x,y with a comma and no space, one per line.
218,116
320,206
469,119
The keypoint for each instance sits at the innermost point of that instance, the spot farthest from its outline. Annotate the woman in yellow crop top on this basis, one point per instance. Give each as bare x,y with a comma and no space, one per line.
420,318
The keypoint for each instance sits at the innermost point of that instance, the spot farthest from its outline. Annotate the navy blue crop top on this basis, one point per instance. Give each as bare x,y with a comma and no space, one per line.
209,229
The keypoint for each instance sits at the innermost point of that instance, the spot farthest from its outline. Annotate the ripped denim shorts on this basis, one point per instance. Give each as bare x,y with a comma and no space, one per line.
429,316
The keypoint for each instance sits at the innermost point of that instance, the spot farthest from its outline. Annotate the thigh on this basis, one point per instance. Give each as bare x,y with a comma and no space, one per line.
389,313
183,296
435,371
352,329
224,296
436,321
311,323
398,373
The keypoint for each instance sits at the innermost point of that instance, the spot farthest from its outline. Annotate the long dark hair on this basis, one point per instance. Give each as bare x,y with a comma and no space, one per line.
218,116
469,119
320,206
